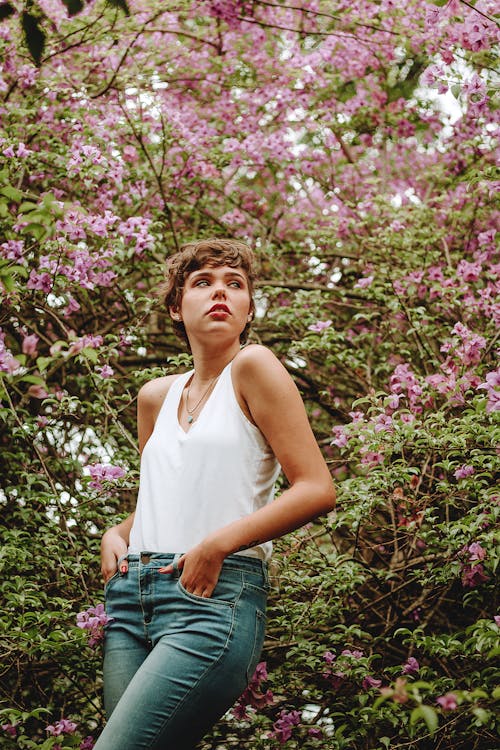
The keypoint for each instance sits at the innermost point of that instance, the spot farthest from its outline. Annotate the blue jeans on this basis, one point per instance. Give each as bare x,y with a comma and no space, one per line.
174,662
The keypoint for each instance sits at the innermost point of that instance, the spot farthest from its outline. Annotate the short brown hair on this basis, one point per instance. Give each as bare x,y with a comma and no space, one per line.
195,255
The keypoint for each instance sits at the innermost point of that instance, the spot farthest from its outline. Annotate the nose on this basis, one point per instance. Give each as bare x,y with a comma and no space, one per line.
219,290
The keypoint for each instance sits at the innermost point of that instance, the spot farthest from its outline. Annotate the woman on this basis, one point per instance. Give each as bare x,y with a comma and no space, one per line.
186,574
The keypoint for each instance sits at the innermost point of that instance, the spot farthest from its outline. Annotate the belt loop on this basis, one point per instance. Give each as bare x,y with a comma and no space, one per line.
265,572
175,565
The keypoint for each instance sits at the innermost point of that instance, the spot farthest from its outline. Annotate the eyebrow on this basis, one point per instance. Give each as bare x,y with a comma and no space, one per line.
210,272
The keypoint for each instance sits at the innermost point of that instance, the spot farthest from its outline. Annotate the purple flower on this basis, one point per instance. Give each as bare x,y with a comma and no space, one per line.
491,385
364,282
30,344
315,732
253,695
497,620
65,726
356,654
93,619
371,682
476,552
87,743
282,727
464,471
340,439
105,371
104,473
448,702
10,729
473,576
411,667
319,326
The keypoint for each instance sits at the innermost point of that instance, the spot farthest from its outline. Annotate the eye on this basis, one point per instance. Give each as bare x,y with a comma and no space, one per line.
236,284
201,282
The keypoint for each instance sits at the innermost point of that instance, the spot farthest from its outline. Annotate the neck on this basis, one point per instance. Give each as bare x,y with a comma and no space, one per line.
209,364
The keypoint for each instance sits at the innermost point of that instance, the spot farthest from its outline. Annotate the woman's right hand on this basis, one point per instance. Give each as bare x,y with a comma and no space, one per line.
113,546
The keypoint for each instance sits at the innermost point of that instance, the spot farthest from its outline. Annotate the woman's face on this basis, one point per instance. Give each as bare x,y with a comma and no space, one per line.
215,299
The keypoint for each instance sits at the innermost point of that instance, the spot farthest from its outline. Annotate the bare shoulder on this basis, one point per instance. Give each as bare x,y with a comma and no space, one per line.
153,393
257,361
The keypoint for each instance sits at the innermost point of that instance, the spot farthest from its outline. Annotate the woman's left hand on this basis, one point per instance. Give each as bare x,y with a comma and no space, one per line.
200,569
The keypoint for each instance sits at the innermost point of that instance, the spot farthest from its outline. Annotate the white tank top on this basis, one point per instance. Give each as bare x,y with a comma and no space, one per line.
195,482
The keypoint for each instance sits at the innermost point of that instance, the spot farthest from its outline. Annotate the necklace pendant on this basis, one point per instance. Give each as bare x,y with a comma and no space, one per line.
190,418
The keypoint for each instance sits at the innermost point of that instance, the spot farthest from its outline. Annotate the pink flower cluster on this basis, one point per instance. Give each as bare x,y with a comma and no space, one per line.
64,726
104,473
319,326
93,619
472,571
253,695
403,380
8,363
492,388
282,727
467,345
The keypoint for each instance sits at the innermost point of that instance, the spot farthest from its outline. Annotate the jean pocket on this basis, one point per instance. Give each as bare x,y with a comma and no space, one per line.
111,580
223,595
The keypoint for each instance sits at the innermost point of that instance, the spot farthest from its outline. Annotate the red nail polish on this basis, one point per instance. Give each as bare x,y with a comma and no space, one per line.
123,569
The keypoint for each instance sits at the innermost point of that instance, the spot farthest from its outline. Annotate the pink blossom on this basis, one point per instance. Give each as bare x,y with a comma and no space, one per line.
64,726
371,682
469,271
87,743
364,282
38,391
353,654
93,619
476,552
29,345
315,732
253,695
8,363
464,471
448,702
497,620
88,340
10,729
282,727
474,575
411,666
492,388
321,325
372,458
340,439
383,423
105,371
104,473
40,281
13,249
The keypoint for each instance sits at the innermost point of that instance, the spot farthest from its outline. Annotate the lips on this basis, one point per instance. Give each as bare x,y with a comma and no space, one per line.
219,308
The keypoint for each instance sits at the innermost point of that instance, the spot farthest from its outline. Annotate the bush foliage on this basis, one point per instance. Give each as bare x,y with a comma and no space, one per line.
353,145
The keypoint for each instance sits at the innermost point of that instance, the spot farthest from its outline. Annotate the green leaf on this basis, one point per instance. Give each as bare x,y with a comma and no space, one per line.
33,36
427,714
12,193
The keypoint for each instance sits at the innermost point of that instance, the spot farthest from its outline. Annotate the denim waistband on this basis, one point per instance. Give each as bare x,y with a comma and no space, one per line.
234,562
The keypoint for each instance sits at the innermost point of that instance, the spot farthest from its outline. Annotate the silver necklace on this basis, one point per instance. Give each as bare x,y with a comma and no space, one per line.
190,412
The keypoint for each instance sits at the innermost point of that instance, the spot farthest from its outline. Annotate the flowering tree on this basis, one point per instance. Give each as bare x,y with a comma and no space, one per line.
353,144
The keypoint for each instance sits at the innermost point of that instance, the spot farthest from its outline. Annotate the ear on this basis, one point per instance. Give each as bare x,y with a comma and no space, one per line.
174,312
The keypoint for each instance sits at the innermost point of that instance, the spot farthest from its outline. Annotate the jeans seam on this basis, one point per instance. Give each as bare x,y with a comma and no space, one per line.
211,666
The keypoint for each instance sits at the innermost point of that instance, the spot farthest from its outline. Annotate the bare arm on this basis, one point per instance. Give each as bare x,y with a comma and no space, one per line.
114,543
274,403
